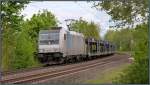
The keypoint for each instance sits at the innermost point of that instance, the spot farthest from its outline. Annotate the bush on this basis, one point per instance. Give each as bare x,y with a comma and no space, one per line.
137,73
24,52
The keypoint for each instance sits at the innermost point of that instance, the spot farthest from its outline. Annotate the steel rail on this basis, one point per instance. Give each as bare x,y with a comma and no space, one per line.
28,72
35,77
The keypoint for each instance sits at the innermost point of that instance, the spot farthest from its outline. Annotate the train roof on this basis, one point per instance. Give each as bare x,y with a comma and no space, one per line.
52,29
57,29
75,33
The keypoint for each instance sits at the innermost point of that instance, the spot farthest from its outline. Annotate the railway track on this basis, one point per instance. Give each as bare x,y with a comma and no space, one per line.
42,76
36,68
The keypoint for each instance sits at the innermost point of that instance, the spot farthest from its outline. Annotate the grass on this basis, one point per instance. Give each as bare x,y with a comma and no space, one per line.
108,75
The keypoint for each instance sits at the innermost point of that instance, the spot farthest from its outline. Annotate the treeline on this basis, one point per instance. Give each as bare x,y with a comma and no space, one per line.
89,29
127,39
133,40
127,14
20,37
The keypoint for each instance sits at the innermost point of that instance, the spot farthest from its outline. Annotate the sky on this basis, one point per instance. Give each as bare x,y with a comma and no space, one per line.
70,10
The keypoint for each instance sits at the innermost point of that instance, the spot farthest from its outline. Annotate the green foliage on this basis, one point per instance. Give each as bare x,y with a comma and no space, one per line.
140,35
122,38
10,14
20,37
11,22
138,71
88,29
42,20
24,52
125,12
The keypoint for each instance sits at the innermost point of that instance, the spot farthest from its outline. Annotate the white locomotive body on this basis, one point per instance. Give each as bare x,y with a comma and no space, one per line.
60,45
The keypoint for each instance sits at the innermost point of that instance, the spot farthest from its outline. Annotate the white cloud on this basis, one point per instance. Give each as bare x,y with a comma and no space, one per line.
68,10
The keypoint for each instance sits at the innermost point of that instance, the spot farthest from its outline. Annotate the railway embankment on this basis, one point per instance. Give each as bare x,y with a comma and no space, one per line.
71,73
98,74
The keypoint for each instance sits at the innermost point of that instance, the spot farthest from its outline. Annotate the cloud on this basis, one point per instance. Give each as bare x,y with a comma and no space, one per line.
69,10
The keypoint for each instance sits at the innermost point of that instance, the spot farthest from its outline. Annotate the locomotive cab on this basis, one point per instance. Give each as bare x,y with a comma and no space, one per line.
49,45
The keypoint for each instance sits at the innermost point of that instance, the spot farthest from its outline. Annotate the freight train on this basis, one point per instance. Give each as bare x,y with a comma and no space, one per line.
61,46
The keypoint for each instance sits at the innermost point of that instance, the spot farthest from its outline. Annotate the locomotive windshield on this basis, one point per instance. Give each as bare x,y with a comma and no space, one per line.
47,37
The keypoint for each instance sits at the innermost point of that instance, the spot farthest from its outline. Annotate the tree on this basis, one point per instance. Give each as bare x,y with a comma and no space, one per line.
138,71
125,12
122,38
11,25
41,21
24,52
19,36
128,13
88,29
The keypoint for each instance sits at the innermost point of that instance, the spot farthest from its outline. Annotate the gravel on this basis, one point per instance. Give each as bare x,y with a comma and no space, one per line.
83,76
79,77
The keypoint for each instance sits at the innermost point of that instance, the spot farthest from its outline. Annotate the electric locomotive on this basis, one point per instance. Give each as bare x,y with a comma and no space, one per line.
58,45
